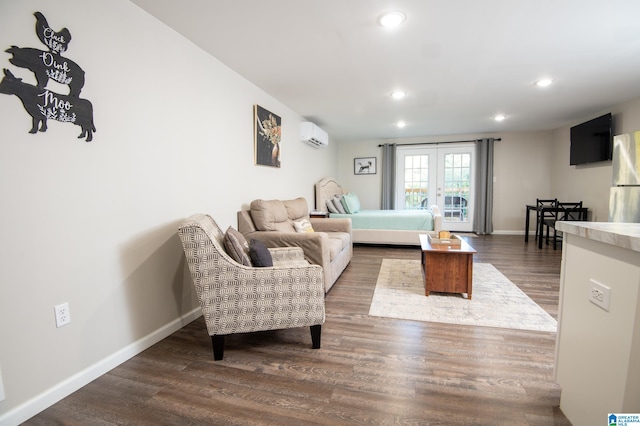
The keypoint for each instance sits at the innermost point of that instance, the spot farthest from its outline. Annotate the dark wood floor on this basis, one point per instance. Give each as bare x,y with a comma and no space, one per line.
369,370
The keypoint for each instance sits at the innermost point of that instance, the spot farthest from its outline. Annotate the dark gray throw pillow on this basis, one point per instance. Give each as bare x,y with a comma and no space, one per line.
260,255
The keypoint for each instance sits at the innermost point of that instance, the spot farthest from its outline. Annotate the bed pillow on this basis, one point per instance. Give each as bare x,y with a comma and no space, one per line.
236,246
260,254
337,202
303,225
331,207
351,203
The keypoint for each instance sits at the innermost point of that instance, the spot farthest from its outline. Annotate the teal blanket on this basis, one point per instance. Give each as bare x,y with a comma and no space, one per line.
390,219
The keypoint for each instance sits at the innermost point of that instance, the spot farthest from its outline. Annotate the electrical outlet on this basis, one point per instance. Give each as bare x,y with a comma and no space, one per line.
599,294
63,316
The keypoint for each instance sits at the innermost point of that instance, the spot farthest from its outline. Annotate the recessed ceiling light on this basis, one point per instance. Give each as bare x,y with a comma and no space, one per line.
400,124
500,117
392,19
398,94
544,82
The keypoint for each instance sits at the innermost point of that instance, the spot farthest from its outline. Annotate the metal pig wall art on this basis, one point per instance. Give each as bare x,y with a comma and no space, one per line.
40,102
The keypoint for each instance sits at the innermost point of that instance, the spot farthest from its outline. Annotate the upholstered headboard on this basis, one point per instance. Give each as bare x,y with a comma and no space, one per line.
326,189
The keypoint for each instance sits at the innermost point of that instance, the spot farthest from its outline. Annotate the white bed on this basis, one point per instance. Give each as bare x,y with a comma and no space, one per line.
395,233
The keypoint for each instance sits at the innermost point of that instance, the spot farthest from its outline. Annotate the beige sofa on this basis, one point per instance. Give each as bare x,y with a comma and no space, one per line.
274,223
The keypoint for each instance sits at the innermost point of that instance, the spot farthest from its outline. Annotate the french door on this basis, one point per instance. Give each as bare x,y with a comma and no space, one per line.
444,176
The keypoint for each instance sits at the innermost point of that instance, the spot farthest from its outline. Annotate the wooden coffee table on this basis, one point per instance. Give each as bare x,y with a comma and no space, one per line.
447,268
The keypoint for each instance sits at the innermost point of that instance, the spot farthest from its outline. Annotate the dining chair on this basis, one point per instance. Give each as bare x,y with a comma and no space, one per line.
564,211
545,210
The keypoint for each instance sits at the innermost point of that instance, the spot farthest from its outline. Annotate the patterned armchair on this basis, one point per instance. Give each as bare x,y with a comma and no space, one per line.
240,299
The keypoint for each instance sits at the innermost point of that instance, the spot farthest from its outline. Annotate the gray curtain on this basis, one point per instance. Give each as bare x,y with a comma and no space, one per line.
388,176
483,221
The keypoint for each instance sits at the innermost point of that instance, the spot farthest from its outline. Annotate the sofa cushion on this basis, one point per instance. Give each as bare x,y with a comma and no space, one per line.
236,246
260,255
270,215
335,247
343,237
297,209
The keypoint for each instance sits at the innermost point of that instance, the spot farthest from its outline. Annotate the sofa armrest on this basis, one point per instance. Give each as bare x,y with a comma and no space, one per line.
331,225
245,222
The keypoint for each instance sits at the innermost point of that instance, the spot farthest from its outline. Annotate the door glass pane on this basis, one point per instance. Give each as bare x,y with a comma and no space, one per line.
416,181
457,175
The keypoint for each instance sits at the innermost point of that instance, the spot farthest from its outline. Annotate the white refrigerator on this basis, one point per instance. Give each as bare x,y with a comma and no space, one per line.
624,199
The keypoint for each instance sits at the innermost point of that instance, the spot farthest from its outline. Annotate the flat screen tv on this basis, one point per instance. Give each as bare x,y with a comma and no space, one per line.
592,141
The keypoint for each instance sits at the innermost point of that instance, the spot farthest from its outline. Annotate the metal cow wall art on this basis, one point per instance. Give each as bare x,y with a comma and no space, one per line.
44,104
40,102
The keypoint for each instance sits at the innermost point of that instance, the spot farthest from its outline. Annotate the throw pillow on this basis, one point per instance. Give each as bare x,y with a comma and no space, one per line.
260,255
236,246
303,225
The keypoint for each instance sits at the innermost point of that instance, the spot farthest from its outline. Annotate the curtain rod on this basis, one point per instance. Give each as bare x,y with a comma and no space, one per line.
436,143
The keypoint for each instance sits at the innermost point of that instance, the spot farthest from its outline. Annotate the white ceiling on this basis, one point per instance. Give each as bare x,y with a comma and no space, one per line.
460,61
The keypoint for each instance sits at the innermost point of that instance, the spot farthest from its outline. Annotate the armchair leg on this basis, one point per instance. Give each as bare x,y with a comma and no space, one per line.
218,347
316,330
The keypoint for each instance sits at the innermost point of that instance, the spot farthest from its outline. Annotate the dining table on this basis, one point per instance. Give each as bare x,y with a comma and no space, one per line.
540,214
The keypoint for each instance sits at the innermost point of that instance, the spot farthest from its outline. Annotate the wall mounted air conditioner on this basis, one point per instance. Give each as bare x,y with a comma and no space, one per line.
313,135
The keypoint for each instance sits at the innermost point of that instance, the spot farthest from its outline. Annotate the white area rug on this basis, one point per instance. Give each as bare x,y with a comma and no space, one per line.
496,301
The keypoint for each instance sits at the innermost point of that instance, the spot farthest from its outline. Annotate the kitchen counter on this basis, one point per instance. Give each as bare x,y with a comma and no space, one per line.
598,341
624,235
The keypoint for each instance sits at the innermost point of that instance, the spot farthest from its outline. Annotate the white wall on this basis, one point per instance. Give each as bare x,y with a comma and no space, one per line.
522,170
367,187
94,224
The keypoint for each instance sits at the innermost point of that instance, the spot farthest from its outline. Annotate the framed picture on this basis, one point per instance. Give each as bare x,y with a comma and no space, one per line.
266,137
364,166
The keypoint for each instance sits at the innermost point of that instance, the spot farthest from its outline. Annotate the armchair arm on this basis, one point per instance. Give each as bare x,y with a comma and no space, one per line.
287,255
314,244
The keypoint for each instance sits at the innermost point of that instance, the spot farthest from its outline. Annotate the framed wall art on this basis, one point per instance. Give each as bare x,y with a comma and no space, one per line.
267,134
364,166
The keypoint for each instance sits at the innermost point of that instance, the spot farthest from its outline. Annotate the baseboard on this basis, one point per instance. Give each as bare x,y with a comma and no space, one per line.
507,232
58,392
